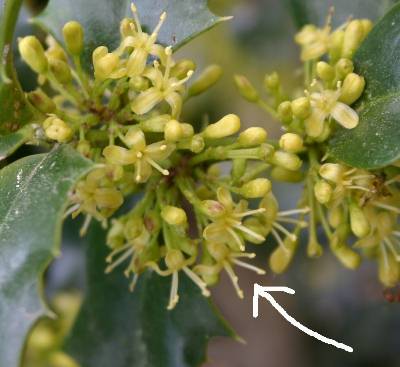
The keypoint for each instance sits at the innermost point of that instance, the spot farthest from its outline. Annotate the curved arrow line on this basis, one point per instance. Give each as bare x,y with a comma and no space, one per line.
259,290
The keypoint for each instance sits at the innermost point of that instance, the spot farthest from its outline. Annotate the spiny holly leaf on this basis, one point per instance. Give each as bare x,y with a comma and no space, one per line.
15,111
11,142
122,329
101,18
33,192
315,11
375,142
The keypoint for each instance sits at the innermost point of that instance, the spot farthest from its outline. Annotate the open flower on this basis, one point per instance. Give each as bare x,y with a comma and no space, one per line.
326,105
144,157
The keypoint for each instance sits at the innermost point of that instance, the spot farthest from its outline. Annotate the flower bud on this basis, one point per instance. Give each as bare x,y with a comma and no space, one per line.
32,52
332,172
61,70
272,82
325,71
353,36
367,26
314,249
301,107
174,259
104,63
60,359
256,188
228,125
285,112
352,88
336,45
57,129
41,101
206,80
73,37
335,216
284,175
84,148
292,143
212,208
281,257
55,50
343,67
358,221
138,83
388,269
187,130
323,191
286,160
245,88
42,338
173,131
348,257
108,197
173,215
252,136
182,68
197,144
155,124
238,168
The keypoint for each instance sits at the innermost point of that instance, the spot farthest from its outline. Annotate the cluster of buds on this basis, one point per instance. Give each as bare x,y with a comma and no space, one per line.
193,198
357,209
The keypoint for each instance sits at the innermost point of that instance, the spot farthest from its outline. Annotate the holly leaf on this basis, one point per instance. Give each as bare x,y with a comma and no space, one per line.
101,18
34,193
375,142
11,142
315,11
15,112
122,329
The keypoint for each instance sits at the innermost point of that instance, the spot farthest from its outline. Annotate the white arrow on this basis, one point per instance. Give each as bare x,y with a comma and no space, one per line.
260,291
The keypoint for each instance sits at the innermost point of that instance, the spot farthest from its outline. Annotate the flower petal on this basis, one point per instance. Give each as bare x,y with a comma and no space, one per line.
345,115
145,101
315,123
119,155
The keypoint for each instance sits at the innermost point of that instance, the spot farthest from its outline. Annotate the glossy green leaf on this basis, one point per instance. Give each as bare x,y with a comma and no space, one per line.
101,18
315,11
11,142
376,141
122,329
15,112
33,195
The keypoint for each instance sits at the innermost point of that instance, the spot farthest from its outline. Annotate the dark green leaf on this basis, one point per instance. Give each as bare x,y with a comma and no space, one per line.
122,329
11,142
33,192
101,18
14,110
376,141
315,11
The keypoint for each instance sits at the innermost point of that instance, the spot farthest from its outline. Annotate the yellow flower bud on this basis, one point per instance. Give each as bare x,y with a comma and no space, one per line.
284,175
104,63
173,131
41,101
138,83
252,136
343,67
173,215
323,191
348,257
206,80
352,88
73,37
228,125
84,148
336,45
358,221
60,359
108,198
335,216
286,160
332,172
272,82
212,208
174,259
256,188
285,112
281,257
292,143
182,68
388,269
353,36
32,52
301,107
325,71
197,144
367,26
42,338
57,129
187,130
246,89
155,124
61,70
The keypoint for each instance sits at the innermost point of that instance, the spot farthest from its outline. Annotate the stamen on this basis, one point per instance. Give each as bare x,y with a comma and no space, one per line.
357,187
233,278
173,296
163,147
249,232
138,169
163,16
286,213
350,172
243,254
301,223
136,18
116,252
139,155
389,243
249,212
163,171
184,80
197,280
118,262
360,177
249,267
285,231
396,233
69,211
134,282
168,53
85,225
237,239
385,255
279,240
387,207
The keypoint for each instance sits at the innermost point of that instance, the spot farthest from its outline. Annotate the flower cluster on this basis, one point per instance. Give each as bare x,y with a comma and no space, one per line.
357,209
193,197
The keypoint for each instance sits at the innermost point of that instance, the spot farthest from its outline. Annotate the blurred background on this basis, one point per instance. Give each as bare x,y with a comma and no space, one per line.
349,307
